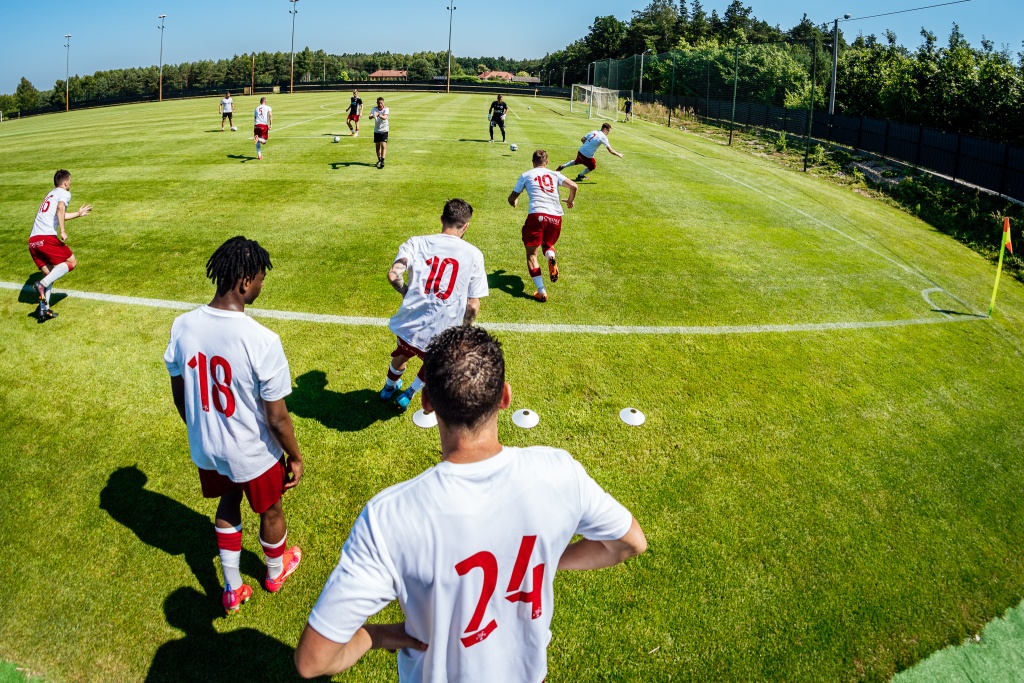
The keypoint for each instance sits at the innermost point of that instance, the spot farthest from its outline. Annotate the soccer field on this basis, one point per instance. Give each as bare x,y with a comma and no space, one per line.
829,477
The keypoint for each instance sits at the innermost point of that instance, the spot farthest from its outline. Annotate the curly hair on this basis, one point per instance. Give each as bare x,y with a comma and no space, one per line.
238,258
464,371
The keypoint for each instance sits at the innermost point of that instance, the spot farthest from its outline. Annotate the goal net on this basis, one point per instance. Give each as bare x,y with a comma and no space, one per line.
598,102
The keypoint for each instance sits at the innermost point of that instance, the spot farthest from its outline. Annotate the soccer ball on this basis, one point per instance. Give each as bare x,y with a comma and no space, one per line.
513,147
234,127
337,138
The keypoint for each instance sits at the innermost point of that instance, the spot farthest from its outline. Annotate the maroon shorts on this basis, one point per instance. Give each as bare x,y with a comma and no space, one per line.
263,491
48,251
261,131
407,350
589,162
541,228
353,117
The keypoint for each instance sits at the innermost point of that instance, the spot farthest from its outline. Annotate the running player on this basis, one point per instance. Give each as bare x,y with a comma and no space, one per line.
229,377
470,547
497,112
446,282
227,109
50,252
380,115
544,220
592,142
264,121
355,108
628,105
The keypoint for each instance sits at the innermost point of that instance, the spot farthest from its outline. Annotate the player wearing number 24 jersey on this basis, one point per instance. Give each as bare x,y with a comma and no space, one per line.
229,377
447,279
470,547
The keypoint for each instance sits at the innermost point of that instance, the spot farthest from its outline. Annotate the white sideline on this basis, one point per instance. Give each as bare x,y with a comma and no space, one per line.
527,328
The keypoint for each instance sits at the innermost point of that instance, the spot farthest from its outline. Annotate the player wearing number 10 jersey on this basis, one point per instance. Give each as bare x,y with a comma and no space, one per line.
229,377
470,547
446,282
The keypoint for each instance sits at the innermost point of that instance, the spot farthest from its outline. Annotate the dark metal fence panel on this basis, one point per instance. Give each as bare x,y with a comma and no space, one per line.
981,162
902,144
938,152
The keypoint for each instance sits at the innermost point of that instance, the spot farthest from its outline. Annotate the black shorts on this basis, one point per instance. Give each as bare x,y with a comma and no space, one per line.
226,115
380,137
498,122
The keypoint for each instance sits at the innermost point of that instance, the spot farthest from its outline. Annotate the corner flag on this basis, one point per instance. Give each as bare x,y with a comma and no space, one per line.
1007,245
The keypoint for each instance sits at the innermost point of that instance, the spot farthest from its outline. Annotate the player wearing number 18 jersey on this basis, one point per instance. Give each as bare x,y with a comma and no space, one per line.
446,282
544,221
229,377
470,547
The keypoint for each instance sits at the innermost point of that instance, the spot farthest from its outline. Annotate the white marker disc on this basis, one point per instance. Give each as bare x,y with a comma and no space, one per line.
424,420
527,419
632,416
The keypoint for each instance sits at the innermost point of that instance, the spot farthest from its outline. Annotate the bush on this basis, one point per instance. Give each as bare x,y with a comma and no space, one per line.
781,143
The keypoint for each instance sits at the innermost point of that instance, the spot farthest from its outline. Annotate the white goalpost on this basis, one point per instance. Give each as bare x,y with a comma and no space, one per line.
602,103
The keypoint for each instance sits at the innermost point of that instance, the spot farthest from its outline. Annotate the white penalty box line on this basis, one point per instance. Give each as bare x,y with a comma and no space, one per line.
529,328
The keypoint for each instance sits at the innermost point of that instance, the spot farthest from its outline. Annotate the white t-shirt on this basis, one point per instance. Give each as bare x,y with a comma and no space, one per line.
46,218
380,125
541,186
592,142
231,364
470,552
227,105
444,271
262,115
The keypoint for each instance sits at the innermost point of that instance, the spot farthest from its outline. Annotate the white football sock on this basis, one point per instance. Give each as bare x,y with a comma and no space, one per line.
417,384
538,281
550,254
48,290
275,565
257,148
230,560
389,383
567,165
56,273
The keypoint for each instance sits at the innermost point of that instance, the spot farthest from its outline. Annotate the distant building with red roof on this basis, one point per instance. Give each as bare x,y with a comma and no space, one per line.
389,75
504,75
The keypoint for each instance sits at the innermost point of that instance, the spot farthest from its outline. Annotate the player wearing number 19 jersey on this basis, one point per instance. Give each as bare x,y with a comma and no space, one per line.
544,221
229,377
470,547
446,282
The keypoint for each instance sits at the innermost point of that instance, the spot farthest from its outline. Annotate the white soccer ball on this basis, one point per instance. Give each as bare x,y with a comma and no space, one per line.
513,147
234,127
337,138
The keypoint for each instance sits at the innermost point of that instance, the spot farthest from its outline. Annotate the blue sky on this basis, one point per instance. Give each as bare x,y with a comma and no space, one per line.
110,34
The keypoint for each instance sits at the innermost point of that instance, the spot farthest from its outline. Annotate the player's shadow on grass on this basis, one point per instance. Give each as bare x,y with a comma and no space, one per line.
243,157
512,285
345,164
164,523
348,411
205,654
27,295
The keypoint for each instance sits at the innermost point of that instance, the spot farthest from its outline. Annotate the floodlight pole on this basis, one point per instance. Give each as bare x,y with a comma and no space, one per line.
835,69
294,11
67,66
564,68
451,15
161,27
252,83
641,90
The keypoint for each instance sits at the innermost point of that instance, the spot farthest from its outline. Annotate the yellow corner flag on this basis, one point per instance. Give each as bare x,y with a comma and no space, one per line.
1007,245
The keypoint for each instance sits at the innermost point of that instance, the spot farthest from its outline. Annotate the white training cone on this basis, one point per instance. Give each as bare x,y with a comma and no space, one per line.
424,420
632,417
525,418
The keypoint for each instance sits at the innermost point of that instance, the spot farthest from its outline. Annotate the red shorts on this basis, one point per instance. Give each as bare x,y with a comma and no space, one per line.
541,228
261,131
407,350
263,491
48,251
589,162
353,117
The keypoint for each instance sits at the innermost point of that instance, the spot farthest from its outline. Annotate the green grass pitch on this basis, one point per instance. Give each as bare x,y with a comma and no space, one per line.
830,483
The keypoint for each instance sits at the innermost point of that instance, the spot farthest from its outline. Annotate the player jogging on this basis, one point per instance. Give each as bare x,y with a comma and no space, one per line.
592,142
229,377
380,115
227,109
497,112
628,106
544,220
470,547
263,119
355,108
446,282
50,252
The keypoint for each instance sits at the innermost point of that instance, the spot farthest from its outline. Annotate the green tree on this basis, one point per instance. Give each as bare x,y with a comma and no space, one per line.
26,95
421,70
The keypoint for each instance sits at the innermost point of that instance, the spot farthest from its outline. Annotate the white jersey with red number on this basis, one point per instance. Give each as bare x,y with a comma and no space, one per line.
262,115
444,271
592,142
228,105
231,364
46,218
470,552
541,186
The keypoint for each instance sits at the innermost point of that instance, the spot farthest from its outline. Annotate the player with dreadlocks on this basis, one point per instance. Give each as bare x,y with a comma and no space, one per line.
229,377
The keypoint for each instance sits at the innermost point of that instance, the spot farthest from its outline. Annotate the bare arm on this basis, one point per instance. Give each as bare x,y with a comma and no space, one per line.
270,120
613,151
599,554
472,308
280,424
513,199
570,202
319,656
178,392
396,276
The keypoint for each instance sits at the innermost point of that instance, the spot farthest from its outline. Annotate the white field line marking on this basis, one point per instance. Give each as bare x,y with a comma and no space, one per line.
926,292
528,328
